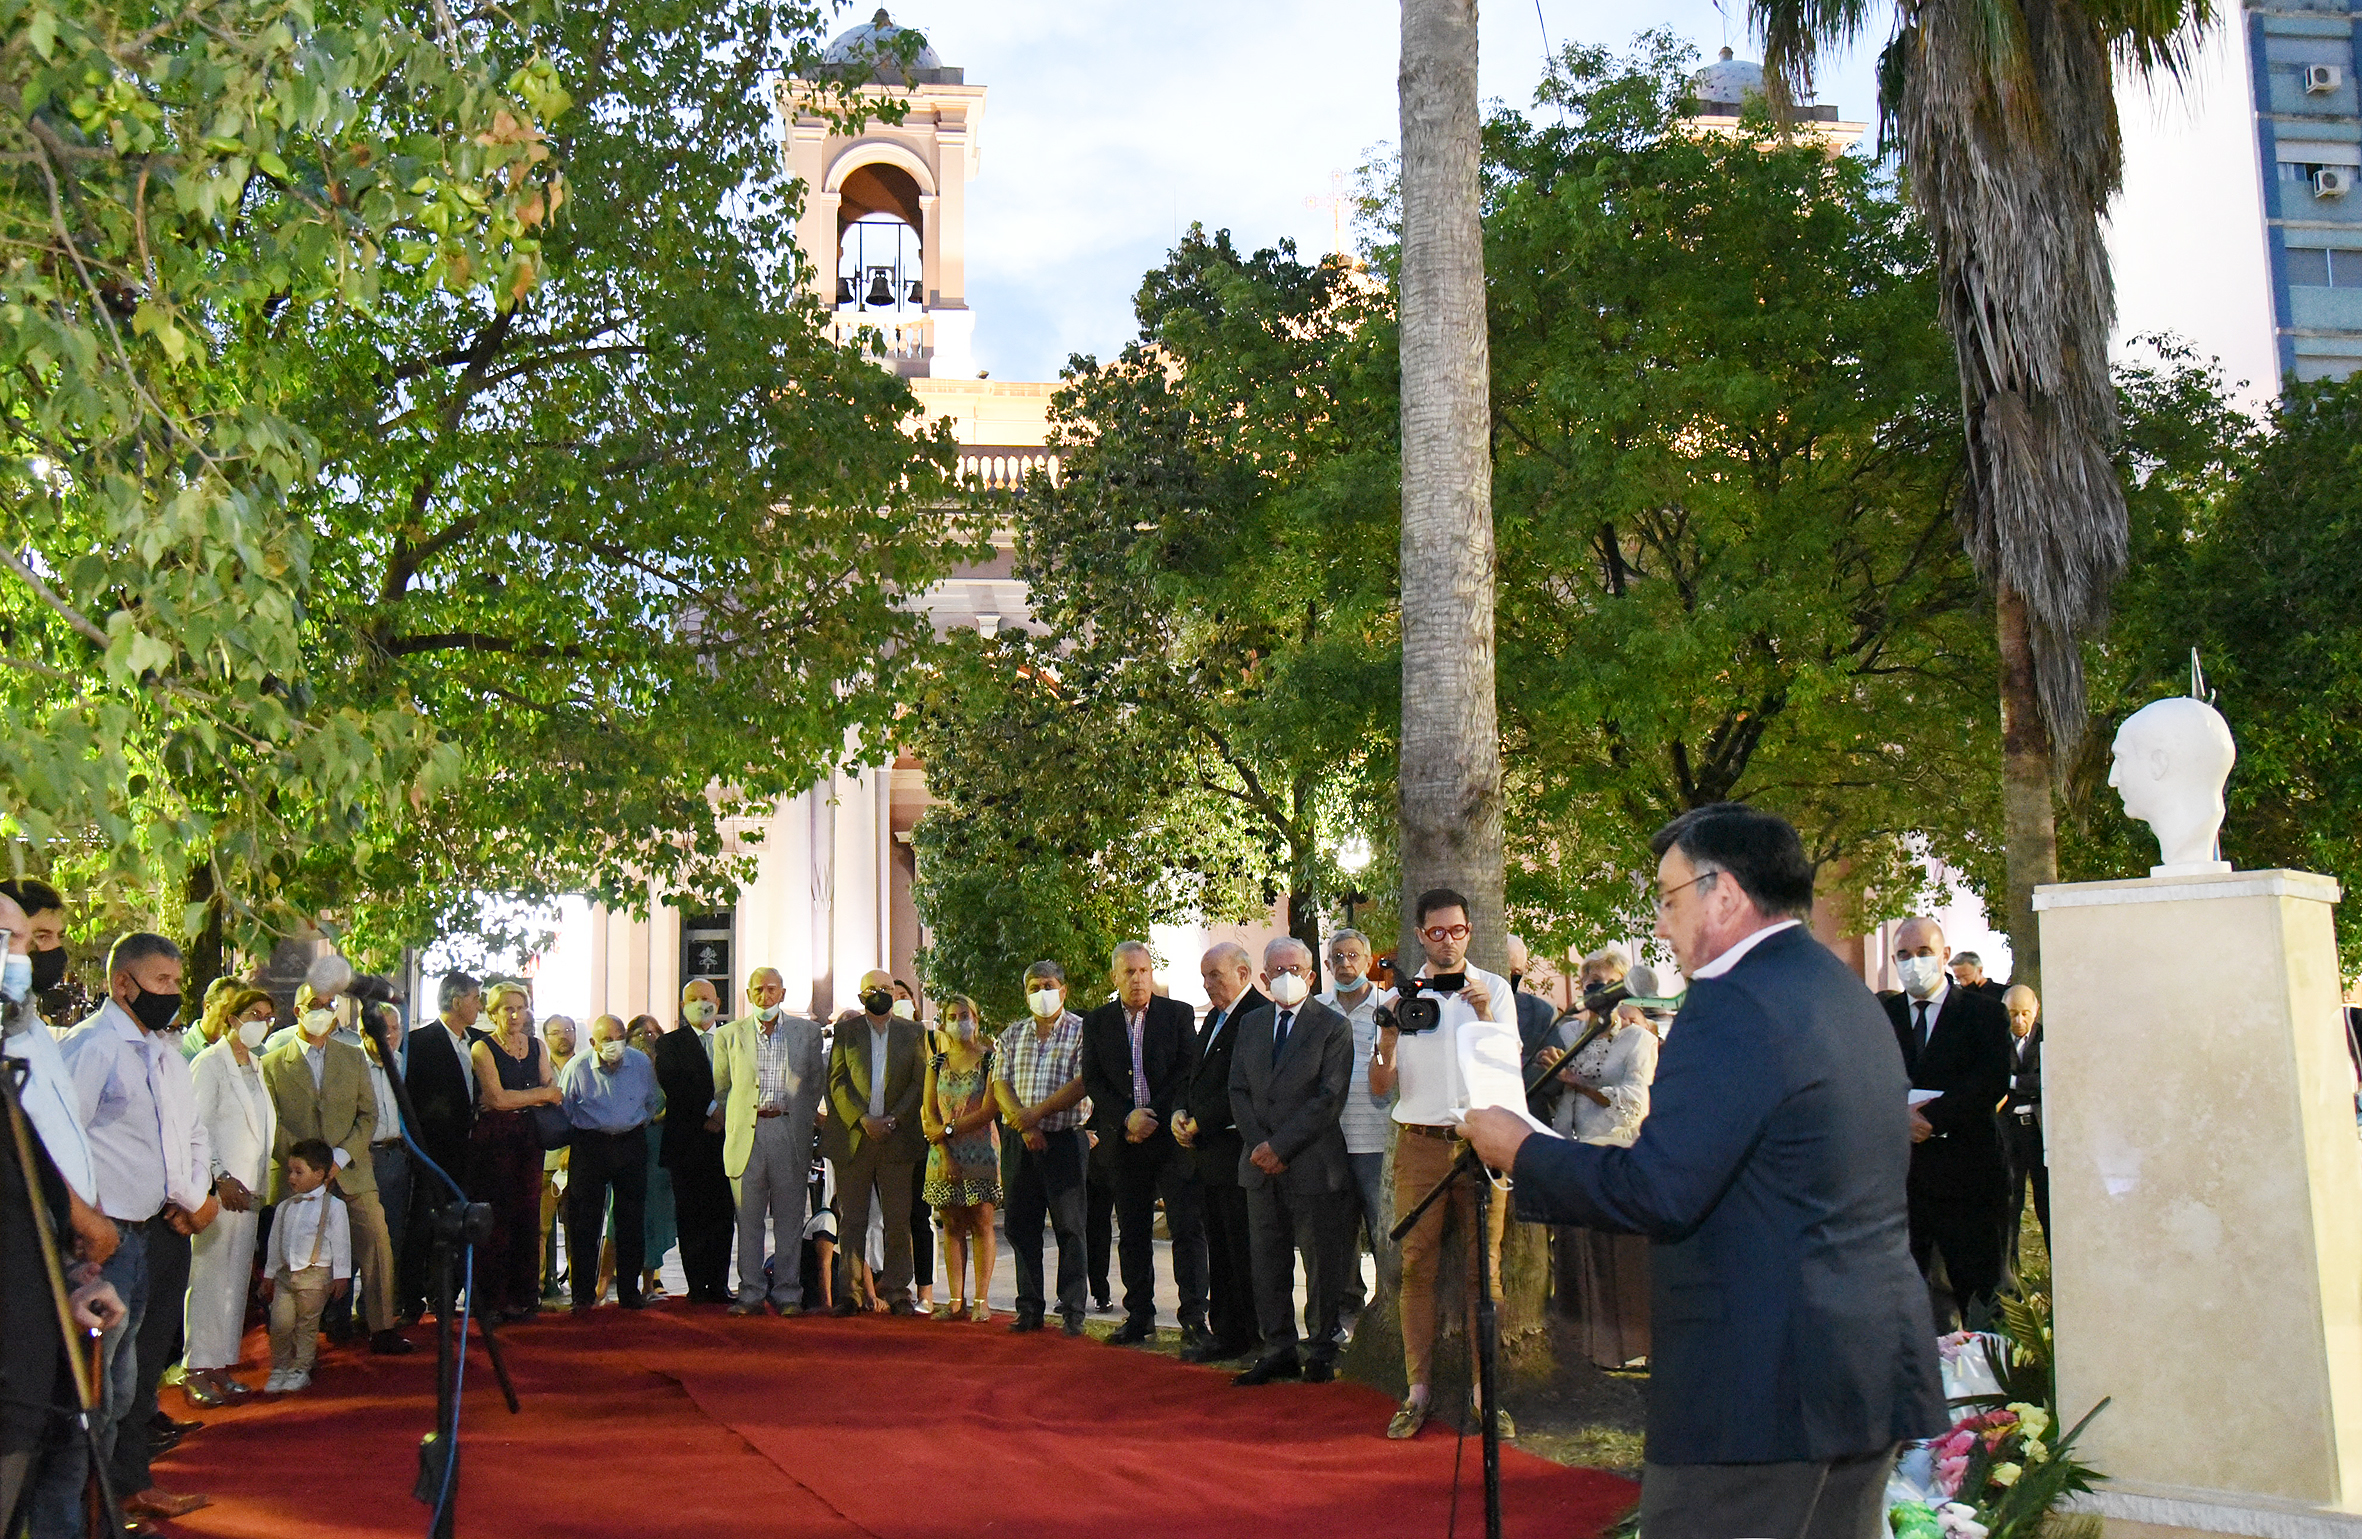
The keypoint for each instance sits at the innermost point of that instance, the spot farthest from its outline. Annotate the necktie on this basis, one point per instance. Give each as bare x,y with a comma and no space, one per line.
1138,1027
1921,1028
1279,1034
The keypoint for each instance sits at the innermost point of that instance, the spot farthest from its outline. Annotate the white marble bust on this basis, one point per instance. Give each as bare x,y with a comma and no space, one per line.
2172,757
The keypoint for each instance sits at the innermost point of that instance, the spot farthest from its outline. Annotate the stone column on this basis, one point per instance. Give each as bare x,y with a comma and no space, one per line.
2206,1201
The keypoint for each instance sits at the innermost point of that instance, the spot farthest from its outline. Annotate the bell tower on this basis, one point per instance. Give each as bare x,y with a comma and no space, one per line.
885,209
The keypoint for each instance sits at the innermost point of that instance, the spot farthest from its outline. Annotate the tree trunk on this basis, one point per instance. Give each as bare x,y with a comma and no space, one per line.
204,957
2031,834
1450,787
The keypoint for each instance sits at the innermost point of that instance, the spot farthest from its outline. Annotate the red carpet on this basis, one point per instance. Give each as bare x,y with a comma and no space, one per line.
690,1423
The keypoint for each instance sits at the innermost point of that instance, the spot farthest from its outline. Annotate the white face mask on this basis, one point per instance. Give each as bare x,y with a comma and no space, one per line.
16,978
906,1009
1920,974
963,1030
769,1013
701,1012
1288,990
251,1033
1044,1003
317,1022
611,1053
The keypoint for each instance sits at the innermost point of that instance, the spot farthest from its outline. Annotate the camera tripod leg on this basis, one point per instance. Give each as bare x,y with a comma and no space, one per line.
508,1388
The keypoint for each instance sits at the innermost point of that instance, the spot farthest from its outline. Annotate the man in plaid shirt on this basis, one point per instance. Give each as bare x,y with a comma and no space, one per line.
1037,1078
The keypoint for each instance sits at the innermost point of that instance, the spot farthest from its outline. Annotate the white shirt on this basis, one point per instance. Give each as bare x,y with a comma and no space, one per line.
139,1109
877,1070
50,1099
1731,958
295,1231
1364,1119
389,1110
467,1060
1468,1060
1935,1010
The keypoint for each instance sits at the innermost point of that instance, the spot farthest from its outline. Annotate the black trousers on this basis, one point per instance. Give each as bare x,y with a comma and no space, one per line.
602,1162
1969,1234
1285,1225
1828,1499
414,1262
707,1219
1099,1222
158,1348
1049,1185
2021,1144
1230,1264
922,1229
1141,1173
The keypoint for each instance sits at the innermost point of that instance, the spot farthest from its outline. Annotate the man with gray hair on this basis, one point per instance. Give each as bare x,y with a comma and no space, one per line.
1202,1124
1287,1089
441,1080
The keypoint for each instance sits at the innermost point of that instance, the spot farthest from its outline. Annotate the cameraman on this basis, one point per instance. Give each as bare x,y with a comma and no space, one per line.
1474,1038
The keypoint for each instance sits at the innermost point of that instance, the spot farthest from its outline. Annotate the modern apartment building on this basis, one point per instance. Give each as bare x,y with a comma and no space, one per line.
2302,60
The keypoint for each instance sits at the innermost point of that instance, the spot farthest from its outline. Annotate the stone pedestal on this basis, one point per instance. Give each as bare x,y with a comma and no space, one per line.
2206,1201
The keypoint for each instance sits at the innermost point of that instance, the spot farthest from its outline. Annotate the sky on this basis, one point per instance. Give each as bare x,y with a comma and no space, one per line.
1111,126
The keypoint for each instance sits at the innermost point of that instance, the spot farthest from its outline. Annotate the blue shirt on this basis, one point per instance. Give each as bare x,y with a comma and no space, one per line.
603,1100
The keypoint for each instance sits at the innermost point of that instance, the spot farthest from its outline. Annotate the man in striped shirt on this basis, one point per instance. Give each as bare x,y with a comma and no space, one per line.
1037,1078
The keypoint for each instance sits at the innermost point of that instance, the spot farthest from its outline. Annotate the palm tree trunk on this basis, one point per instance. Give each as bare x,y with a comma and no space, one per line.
1450,776
2032,837
1450,786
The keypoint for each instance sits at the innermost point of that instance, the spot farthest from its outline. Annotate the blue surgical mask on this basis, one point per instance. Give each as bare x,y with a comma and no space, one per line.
16,978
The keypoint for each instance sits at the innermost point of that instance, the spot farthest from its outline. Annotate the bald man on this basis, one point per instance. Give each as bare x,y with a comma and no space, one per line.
691,1147
769,1074
610,1095
1955,1043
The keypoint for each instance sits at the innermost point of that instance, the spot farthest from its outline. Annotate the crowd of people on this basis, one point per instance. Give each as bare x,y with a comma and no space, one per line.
802,1165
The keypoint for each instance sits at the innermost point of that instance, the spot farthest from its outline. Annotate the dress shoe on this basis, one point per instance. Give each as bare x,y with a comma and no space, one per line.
1320,1370
1279,1365
632,1303
902,1307
1072,1325
163,1421
153,1503
736,1310
201,1392
231,1387
1211,1351
162,1443
1133,1333
1025,1324
389,1344
1408,1420
845,1307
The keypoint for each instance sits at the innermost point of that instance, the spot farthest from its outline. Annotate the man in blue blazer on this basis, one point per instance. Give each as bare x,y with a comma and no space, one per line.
1793,1347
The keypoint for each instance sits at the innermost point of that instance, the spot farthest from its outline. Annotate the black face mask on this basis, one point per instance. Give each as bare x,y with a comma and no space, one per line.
877,1001
155,1011
49,969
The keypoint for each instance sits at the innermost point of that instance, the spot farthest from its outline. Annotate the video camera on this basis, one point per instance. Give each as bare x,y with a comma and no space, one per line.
1418,1009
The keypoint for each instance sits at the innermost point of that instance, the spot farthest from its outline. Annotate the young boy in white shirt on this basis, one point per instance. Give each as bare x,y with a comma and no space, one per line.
310,1260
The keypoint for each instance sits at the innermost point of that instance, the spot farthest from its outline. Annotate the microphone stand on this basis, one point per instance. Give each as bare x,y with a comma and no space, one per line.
461,1228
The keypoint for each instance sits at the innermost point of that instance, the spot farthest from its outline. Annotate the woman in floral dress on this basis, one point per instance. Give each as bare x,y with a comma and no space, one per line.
963,1156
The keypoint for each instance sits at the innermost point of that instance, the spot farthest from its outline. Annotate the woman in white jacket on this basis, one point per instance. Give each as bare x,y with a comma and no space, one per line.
239,1117
1608,1084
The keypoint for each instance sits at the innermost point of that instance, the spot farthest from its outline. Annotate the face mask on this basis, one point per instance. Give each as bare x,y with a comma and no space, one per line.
1044,1003
1288,989
906,1009
49,969
155,1011
1919,974
877,1001
963,1030
768,1013
16,978
611,1053
317,1023
1350,984
701,1012
252,1032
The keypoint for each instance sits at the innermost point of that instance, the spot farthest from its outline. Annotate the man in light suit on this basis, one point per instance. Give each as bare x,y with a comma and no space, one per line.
1792,1344
768,1076
876,1071
1288,1075
1955,1041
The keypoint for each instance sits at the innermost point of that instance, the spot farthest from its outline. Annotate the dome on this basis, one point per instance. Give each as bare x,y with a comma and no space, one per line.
1726,83
871,47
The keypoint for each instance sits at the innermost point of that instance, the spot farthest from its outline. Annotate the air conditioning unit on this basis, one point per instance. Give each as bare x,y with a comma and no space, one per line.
2333,181
2321,79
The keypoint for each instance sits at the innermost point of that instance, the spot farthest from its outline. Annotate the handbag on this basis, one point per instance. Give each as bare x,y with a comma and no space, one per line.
551,1128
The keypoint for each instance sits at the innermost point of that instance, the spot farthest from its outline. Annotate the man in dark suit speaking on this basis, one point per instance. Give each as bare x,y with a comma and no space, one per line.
1792,1343
1955,1043
1138,1051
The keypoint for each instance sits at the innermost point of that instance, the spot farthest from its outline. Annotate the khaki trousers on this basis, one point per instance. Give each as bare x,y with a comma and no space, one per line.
373,1257
295,1318
1420,1162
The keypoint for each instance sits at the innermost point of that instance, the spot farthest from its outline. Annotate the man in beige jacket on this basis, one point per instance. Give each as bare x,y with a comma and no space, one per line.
768,1075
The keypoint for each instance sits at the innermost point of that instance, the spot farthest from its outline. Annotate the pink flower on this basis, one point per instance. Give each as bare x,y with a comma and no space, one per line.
1949,1471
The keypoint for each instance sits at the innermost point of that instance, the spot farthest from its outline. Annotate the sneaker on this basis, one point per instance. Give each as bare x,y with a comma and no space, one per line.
276,1384
1408,1420
296,1381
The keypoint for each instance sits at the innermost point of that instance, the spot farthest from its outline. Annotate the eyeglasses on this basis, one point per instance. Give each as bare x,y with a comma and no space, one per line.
1446,932
1665,897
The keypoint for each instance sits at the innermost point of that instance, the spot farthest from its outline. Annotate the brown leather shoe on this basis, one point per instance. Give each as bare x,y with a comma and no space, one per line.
159,1504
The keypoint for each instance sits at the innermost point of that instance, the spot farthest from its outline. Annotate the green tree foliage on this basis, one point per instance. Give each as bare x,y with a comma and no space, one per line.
1729,439
1058,831
174,172
1217,553
477,503
2243,539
